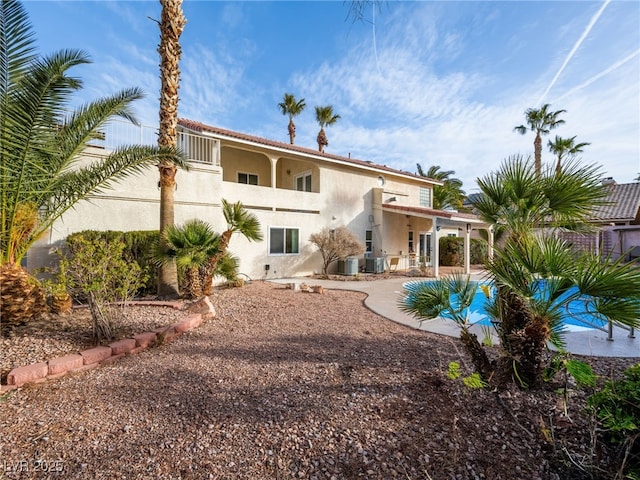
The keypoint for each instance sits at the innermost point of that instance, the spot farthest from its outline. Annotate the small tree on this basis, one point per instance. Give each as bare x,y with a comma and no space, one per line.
97,272
335,244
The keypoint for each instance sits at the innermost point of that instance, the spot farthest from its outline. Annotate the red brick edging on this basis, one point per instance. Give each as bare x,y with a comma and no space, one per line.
102,355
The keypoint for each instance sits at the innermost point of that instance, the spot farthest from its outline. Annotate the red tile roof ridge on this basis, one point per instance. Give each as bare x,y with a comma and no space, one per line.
202,127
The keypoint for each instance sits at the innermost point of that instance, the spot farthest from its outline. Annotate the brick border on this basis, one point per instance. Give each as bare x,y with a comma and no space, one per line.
103,355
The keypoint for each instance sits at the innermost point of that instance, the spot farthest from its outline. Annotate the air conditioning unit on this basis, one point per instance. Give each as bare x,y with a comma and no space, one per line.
348,266
374,265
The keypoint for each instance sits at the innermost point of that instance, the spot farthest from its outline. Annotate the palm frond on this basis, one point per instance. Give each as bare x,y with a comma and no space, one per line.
240,220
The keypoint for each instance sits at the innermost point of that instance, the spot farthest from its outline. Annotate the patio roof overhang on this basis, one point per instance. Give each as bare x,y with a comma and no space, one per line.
444,217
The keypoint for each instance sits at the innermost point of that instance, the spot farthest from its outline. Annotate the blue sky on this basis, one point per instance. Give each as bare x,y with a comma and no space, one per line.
436,83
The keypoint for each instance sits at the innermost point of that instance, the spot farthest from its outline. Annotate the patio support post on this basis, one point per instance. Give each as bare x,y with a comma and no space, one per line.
435,250
467,249
490,247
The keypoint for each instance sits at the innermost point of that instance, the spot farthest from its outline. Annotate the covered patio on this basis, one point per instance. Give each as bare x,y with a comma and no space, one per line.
423,252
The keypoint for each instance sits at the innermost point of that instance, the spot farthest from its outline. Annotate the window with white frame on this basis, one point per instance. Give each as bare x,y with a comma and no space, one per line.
248,178
368,241
303,182
411,243
425,197
284,241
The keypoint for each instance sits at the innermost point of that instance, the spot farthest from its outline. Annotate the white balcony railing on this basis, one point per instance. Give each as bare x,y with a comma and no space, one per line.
119,133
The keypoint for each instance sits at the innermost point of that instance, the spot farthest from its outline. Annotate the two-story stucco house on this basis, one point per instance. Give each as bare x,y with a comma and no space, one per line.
294,192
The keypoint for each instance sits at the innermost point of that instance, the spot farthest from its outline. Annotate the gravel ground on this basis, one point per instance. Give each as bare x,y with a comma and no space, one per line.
284,384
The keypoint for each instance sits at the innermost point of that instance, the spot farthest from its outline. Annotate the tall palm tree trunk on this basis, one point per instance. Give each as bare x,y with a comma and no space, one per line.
537,149
322,140
171,25
292,131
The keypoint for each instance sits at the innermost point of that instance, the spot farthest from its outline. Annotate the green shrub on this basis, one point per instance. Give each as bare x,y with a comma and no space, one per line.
478,251
98,272
138,247
617,407
451,252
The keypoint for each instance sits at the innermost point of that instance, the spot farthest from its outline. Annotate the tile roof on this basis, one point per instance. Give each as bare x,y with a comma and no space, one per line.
624,203
201,127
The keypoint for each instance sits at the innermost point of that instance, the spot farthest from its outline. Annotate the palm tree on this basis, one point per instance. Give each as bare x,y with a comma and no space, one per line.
292,107
190,246
238,220
171,26
541,122
42,140
324,117
449,195
565,146
534,274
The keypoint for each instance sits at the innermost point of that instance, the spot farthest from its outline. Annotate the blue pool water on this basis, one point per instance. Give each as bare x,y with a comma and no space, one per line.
576,316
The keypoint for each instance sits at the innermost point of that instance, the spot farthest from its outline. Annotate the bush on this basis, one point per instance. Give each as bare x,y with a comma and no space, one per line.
138,247
98,272
478,251
335,244
617,407
451,252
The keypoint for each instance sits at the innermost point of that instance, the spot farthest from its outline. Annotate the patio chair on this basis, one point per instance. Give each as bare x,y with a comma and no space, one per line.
393,264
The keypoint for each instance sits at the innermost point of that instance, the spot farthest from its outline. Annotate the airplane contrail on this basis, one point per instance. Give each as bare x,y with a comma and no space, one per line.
613,67
584,35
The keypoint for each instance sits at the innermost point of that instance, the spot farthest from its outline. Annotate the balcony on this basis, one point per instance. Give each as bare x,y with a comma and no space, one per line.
119,133
269,198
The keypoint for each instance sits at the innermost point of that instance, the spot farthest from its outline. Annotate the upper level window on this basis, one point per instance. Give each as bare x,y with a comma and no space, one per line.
425,197
284,240
248,178
303,182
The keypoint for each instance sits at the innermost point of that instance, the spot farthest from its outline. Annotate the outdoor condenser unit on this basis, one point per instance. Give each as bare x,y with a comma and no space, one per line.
374,265
348,266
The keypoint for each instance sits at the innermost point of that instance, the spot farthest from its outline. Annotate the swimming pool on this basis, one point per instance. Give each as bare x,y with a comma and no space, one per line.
575,318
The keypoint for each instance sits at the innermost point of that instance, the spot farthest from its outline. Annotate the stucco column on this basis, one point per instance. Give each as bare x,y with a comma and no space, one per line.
467,249
377,225
274,163
436,249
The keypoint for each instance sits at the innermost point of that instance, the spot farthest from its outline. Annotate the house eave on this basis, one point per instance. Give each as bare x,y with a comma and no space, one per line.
273,146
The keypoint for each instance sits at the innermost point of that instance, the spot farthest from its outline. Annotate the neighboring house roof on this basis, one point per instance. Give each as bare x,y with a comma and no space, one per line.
623,204
469,199
201,127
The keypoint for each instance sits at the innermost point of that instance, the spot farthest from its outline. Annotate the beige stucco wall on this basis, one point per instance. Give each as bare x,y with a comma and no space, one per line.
234,160
342,195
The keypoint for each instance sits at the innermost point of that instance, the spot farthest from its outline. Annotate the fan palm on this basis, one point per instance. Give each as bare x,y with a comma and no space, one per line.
526,311
541,122
324,117
565,146
450,194
190,246
41,140
239,220
292,107
171,26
